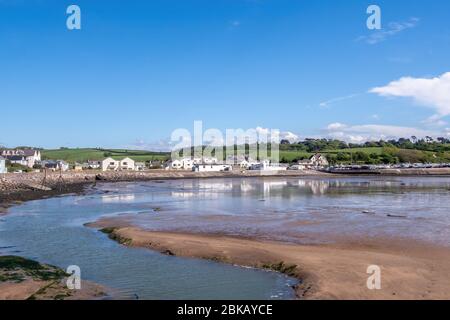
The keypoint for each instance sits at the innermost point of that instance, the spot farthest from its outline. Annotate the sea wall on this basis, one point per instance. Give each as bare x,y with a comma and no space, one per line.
17,181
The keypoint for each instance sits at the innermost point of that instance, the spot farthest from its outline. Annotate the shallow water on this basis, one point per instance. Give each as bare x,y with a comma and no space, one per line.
52,231
293,209
289,209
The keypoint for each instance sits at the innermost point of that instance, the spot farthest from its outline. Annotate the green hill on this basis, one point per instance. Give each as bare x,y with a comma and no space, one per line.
84,154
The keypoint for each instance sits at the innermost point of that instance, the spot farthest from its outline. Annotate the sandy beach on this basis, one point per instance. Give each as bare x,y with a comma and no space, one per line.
409,270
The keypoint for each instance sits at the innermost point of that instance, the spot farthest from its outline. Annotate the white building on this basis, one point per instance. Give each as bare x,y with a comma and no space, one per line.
187,163
317,160
139,166
3,165
211,167
210,160
25,157
126,164
109,164
58,165
93,165
173,165
266,165
22,160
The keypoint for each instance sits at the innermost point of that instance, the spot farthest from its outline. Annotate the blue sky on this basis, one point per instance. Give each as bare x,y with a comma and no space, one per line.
137,70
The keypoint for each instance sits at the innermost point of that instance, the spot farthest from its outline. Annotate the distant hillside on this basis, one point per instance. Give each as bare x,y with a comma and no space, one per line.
83,154
336,152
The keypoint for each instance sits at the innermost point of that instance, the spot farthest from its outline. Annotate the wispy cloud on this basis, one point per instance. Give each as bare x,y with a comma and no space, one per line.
328,103
393,29
234,24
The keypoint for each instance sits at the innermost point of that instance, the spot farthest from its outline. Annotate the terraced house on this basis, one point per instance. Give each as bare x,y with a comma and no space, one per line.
25,157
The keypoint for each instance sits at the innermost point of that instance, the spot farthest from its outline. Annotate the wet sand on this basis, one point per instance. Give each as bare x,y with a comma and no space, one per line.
46,290
24,279
409,270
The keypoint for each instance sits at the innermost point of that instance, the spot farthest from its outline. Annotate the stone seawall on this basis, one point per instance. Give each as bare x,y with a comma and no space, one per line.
23,181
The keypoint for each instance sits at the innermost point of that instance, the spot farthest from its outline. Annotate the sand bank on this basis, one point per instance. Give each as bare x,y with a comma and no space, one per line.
408,270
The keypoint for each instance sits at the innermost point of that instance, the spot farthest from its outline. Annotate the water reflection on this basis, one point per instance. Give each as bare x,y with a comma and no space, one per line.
306,210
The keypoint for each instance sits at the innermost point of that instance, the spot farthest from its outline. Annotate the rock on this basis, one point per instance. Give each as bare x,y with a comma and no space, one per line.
395,216
99,177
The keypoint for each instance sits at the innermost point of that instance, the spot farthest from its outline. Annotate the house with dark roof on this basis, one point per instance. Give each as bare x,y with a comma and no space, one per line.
316,161
25,157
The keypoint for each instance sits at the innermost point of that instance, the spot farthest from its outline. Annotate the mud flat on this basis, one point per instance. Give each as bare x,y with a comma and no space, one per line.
23,279
409,270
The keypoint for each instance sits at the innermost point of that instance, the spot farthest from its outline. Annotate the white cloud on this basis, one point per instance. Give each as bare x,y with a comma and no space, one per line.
287,135
393,28
368,132
274,134
336,126
162,145
433,93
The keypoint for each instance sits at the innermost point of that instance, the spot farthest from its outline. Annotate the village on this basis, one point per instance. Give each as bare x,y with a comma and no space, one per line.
30,160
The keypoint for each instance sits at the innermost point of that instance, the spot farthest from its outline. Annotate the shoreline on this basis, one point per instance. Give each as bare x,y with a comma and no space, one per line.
410,270
18,188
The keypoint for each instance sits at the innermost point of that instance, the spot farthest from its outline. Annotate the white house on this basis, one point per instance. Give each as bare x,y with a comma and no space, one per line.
55,165
139,166
22,160
3,165
109,164
187,163
208,160
317,160
126,164
266,165
211,167
173,165
29,157
92,165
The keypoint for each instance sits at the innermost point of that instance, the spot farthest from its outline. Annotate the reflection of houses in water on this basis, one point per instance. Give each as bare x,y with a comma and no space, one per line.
269,186
118,198
245,187
316,186
181,194
203,188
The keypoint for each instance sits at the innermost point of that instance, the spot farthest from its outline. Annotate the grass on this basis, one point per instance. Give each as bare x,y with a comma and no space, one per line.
282,268
14,268
294,155
81,155
110,231
376,150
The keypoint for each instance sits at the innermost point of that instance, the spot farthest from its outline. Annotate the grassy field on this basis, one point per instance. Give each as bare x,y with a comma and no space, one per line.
293,155
376,150
85,154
